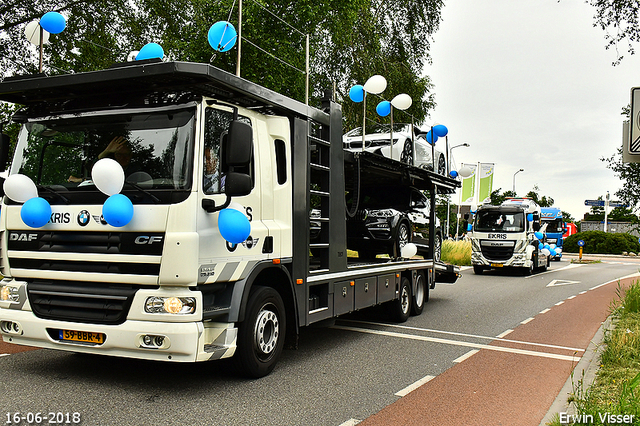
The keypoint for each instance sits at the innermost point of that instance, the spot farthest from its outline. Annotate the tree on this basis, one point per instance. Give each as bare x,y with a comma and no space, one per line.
543,201
497,198
349,42
629,175
619,20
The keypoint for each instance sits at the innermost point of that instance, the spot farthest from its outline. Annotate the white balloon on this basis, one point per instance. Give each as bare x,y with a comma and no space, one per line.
376,84
237,206
32,32
402,101
408,250
142,179
465,172
108,176
20,188
474,207
558,250
553,246
545,251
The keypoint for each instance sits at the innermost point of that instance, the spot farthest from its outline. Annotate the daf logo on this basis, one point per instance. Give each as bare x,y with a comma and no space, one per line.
22,237
83,218
144,239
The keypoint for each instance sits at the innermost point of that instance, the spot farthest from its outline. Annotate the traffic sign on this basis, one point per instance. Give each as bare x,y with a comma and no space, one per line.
594,203
616,204
581,243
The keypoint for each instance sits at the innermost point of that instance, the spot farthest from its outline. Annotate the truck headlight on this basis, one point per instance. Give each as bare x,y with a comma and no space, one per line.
170,305
9,294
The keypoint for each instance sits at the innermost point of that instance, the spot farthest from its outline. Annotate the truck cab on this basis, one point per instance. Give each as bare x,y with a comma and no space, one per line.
505,237
552,217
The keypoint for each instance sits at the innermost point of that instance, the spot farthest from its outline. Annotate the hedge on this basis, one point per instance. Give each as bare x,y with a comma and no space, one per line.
598,242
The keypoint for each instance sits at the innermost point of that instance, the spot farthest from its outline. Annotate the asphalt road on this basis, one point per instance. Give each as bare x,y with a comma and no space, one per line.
339,375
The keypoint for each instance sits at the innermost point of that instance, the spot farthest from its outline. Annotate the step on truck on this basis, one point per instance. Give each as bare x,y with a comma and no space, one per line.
202,250
504,237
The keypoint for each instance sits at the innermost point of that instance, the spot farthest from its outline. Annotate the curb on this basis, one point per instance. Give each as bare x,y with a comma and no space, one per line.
583,375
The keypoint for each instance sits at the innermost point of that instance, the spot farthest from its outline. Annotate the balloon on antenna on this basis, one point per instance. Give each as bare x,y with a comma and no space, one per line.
32,32
53,22
222,36
149,51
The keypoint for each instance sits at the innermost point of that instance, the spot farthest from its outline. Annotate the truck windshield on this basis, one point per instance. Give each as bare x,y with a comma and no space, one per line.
495,220
154,148
554,226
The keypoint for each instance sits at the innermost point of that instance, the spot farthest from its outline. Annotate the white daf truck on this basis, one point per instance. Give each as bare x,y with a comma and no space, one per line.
504,237
169,273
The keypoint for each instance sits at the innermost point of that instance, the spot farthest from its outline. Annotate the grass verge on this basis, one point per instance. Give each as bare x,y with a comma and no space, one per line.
456,252
616,390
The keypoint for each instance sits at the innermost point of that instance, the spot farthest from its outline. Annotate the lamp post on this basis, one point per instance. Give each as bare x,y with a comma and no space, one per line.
514,179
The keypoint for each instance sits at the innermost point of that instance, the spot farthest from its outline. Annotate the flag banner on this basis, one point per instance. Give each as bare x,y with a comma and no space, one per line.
485,176
469,186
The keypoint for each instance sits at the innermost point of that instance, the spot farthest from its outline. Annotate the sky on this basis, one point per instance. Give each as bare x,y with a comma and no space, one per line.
529,84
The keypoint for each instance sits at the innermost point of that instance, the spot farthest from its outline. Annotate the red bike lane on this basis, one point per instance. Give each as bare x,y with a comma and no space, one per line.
517,379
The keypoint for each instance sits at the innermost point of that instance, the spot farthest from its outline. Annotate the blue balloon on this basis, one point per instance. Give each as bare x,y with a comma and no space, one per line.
233,226
553,252
431,138
453,174
547,246
440,130
356,93
384,108
530,217
53,22
117,210
222,36
469,227
539,235
35,212
540,246
149,51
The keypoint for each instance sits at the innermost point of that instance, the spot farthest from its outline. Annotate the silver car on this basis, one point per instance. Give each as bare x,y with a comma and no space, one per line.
378,137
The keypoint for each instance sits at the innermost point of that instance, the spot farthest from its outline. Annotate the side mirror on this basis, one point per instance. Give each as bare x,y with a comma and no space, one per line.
237,184
536,226
239,145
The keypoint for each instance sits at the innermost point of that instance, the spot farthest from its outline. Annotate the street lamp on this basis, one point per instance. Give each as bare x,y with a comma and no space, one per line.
514,179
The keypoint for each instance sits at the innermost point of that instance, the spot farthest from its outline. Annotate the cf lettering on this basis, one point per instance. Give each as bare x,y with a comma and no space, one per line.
144,239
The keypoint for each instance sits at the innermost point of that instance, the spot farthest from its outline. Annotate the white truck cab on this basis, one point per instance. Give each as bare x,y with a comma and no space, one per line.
504,236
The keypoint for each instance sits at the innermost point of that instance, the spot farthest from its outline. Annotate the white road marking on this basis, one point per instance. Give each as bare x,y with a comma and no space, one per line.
556,283
527,321
350,422
460,343
504,333
570,266
414,386
544,311
469,354
559,303
5,354
475,336
571,297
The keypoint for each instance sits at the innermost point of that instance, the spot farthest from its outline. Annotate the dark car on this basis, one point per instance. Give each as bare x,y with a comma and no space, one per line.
388,218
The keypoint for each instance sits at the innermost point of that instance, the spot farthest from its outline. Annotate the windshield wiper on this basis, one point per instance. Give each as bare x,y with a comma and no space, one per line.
155,199
53,191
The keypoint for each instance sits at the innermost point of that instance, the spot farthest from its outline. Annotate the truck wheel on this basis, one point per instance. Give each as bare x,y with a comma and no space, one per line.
261,335
402,305
477,269
403,236
421,295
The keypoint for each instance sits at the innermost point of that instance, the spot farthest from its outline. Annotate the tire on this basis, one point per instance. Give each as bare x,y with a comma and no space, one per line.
403,236
477,269
262,333
442,166
402,306
421,295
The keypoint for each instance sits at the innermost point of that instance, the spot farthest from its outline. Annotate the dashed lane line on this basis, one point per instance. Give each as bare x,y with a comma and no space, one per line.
528,320
415,385
468,355
453,333
503,334
460,343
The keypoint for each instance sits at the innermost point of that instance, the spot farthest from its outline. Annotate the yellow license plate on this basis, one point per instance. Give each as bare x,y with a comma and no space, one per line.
82,336
497,265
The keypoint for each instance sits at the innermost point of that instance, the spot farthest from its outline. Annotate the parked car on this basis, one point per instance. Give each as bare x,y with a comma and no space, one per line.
378,137
389,217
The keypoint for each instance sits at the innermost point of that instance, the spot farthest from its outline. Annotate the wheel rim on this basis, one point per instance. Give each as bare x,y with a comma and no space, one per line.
406,153
437,248
441,166
420,291
267,330
404,299
403,235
